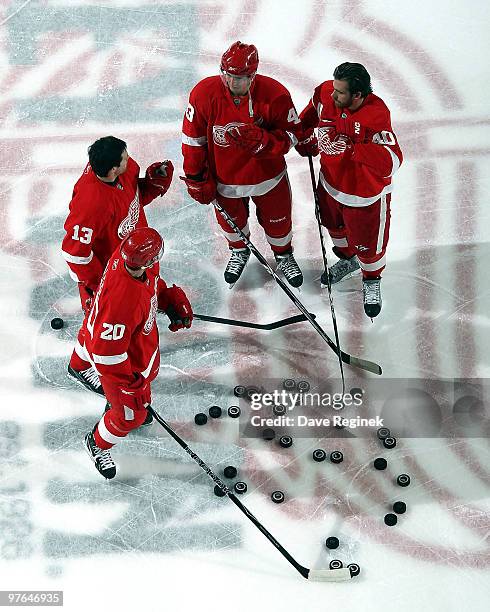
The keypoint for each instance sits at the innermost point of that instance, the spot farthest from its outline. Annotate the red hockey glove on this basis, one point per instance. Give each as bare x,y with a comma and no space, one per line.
134,395
159,174
250,137
351,128
177,308
203,191
309,146
86,297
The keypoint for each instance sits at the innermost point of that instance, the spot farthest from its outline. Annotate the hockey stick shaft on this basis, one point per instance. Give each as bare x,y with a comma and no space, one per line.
346,358
325,264
266,326
302,570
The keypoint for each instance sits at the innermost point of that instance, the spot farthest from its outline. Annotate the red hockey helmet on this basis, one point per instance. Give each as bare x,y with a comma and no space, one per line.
142,248
240,59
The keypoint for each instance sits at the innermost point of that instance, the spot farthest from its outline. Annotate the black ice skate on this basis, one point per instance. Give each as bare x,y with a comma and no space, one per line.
88,378
371,288
102,458
287,264
342,270
236,265
146,422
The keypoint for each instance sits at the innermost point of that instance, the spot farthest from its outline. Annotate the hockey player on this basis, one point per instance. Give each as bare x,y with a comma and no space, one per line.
359,153
236,130
119,339
107,203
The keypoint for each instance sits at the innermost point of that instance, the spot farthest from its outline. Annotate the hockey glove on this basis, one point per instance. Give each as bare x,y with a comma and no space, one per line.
177,308
309,146
258,141
159,174
351,128
86,297
203,190
134,395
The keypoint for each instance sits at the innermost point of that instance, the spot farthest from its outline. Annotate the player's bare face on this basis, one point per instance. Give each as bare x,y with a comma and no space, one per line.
123,165
341,95
238,85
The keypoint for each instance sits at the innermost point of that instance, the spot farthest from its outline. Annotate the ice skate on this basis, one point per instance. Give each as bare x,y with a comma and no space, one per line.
371,288
102,458
88,378
342,270
287,264
236,265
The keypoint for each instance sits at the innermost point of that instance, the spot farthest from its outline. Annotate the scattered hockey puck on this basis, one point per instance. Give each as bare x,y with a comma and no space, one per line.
289,384
332,543
383,433
200,419
356,391
234,412
390,519
215,412
268,434
354,569
400,507
336,564
57,323
403,480
277,497
230,471
240,487
279,410
336,457
319,455
252,391
239,391
285,441
389,442
218,491
380,463
303,386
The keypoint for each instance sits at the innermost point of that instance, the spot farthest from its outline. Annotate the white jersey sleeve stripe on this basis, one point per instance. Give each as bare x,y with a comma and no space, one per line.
109,359
201,141
395,161
75,259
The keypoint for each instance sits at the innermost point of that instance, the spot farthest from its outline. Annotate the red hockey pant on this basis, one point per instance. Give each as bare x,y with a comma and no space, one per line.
361,231
273,211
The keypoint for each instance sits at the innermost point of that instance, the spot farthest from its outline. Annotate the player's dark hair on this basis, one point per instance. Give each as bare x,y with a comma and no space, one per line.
106,153
356,76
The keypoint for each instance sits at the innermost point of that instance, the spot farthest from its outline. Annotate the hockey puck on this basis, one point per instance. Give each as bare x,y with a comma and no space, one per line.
390,519
215,412
336,457
383,432
200,419
218,491
57,323
380,463
332,543
240,487
277,497
268,434
252,391
285,441
336,564
289,384
389,442
403,480
319,455
356,391
303,386
279,410
239,391
354,569
400,507
234,412
230,471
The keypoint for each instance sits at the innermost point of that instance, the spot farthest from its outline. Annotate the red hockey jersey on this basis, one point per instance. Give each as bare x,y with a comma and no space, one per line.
101,214
361,176
120,332
213,110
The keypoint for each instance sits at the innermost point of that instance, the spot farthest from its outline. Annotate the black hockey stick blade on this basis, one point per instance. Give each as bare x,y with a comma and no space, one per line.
266,326
363,364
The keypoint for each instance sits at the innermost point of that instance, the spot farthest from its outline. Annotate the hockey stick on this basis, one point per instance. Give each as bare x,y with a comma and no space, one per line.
325,263
363,364
266,326
321,575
